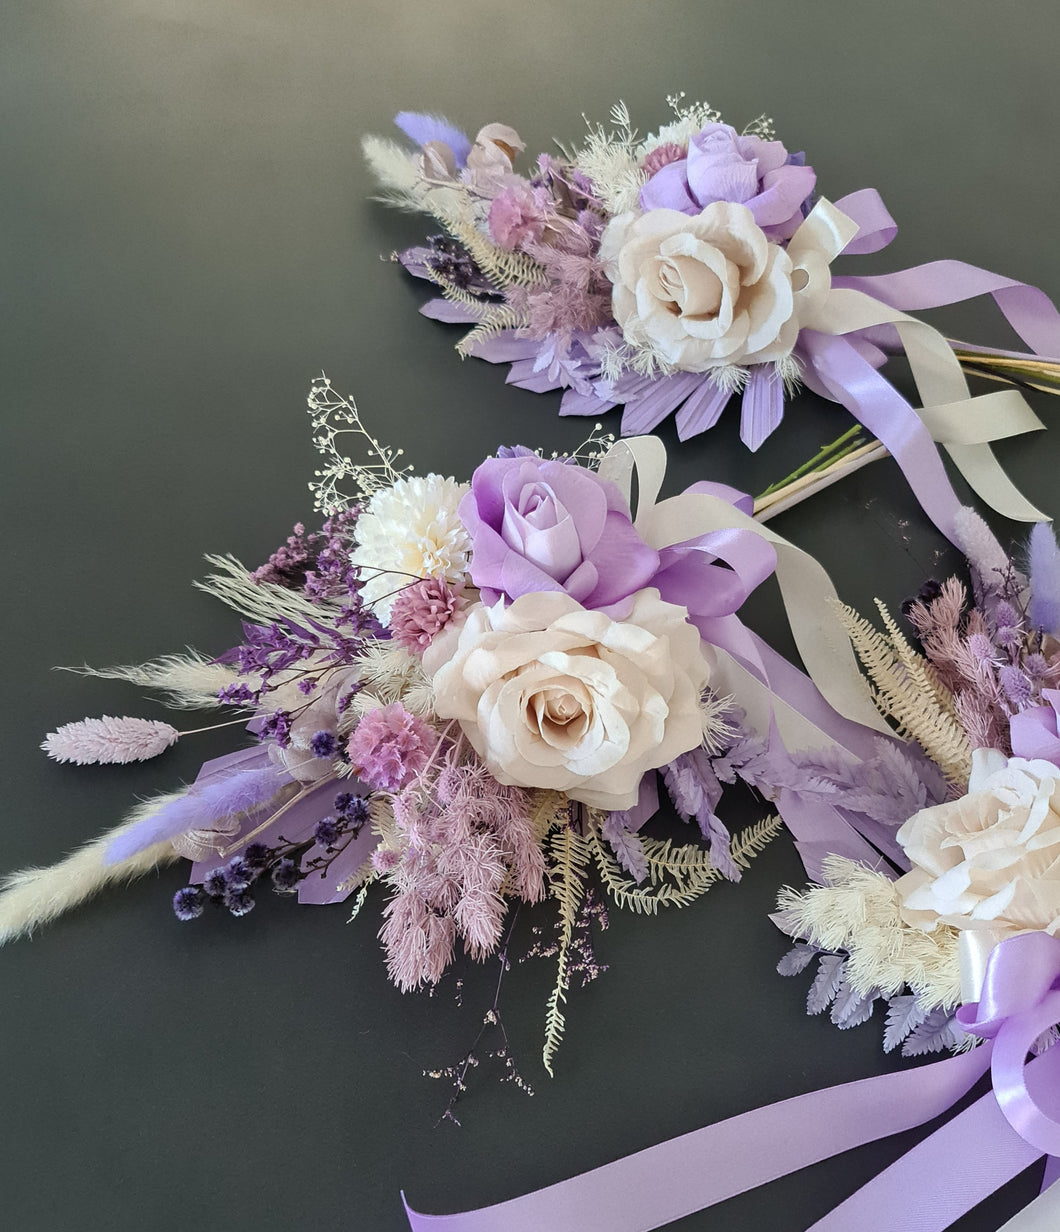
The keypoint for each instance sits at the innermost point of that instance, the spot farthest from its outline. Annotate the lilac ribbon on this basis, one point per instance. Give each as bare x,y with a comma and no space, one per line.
852,380
1020,999
925,1191
700,1169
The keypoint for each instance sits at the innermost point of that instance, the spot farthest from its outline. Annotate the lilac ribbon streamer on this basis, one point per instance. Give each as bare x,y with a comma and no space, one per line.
925,1191
852,380
1029,311
700,1169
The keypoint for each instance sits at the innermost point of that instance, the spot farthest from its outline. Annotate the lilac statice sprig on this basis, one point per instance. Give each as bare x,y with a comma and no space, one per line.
492,1023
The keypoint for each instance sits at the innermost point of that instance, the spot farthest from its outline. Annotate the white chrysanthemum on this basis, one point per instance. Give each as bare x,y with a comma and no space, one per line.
411,530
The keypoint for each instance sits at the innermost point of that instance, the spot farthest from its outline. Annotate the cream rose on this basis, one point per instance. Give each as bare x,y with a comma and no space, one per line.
992,858
553,695
702,291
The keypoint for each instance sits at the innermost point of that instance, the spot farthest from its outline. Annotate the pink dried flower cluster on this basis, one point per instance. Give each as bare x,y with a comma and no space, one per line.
390,747
662,156
986,656
422,611
462,844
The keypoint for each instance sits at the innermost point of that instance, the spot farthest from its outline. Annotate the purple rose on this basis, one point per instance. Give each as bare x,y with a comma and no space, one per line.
723,166
544,525
1034,732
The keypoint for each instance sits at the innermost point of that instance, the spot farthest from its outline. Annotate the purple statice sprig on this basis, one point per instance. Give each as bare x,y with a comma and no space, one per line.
286,864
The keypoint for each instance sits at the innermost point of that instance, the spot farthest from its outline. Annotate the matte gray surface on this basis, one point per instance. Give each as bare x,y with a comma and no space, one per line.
186,240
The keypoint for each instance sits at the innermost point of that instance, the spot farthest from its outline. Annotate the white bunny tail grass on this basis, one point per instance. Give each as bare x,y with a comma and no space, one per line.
35,896
186,681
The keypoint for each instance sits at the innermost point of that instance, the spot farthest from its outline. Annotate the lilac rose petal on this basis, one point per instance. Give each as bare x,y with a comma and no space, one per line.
544,525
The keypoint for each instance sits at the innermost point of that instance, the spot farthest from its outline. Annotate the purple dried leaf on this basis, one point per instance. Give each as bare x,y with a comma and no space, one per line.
904,1014
826,983
851,1008
939,1031
627,846
797,959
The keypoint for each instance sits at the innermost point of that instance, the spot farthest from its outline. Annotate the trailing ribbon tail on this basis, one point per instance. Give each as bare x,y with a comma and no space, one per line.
926,1190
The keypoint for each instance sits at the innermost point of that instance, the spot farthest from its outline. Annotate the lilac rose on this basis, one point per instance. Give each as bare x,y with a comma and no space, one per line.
723,166
545,525
1035,733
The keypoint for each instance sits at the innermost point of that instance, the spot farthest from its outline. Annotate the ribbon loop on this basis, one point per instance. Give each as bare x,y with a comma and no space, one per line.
1019,1001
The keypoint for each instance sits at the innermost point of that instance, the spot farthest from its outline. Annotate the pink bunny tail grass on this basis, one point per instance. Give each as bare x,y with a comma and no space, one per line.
109,740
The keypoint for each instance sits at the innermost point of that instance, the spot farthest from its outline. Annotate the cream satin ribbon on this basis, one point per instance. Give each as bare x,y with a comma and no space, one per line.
805,586
964,424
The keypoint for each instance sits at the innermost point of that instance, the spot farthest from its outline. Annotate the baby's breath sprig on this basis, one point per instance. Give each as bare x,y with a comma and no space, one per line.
329,412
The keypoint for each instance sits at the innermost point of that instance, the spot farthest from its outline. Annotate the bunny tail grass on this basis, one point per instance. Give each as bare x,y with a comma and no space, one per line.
35,896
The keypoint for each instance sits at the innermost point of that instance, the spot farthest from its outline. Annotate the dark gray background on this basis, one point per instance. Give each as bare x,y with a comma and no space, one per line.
186,240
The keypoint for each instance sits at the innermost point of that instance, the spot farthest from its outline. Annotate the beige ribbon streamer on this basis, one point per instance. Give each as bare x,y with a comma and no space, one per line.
805,585
962,423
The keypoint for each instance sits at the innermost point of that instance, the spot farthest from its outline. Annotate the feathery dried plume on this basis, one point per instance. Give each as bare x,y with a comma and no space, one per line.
109,741
35,896
198,809
186,681
857,911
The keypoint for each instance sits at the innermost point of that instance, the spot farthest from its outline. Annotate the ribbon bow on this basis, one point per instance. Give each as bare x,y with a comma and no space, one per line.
1020,999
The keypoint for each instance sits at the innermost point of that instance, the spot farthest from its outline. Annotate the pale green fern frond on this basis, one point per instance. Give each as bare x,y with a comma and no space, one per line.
570,854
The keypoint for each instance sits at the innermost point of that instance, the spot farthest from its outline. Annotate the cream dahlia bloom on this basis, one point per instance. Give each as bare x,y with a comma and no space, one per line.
553,695
700,291
992,858
409,531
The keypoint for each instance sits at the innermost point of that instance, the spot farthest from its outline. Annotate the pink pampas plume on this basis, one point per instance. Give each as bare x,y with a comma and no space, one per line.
93,742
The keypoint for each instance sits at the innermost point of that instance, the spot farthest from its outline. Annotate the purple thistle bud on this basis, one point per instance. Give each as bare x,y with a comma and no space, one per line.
323,744
239,873
344,802
1036,666
215,883
239,902
982,647
188,903
1017,687
285,876
1007,615
384,859
257,856
327,832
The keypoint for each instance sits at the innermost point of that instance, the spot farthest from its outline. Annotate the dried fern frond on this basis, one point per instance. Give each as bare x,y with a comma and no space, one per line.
499,318
677,874
909,696
569,861
370,876
502,266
